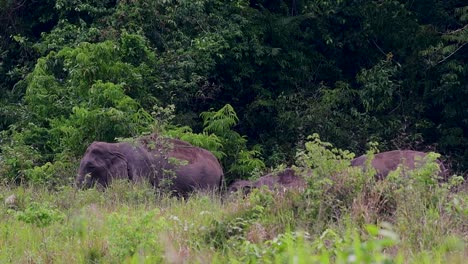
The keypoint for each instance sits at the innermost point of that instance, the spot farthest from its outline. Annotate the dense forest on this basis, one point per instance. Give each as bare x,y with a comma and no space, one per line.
249,80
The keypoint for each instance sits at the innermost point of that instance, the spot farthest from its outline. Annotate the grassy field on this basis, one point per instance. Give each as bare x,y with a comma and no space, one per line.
343,216
336,220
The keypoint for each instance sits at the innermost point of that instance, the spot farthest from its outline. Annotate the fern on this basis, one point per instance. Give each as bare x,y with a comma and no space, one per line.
240,162
210,142
248,162
221,121
454,41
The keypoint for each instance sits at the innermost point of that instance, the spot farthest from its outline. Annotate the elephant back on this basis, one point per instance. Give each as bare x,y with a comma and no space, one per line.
388,161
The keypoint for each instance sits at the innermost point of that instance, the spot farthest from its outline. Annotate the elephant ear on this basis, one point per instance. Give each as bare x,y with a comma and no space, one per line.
118,168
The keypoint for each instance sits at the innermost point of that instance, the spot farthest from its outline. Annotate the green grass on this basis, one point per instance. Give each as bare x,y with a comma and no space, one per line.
134,224
343,216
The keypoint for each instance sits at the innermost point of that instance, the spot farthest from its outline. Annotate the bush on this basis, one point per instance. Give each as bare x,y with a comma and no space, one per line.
128,234
76,96
332,185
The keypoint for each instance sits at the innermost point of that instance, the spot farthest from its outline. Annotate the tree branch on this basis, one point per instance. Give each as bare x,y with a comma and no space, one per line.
385,54
451,54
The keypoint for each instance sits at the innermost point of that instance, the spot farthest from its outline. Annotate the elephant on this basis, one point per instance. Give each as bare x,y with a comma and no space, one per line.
286,179
241,185
386,162
161,161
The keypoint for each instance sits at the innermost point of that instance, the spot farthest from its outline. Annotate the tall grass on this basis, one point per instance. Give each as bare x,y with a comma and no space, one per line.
343,216
134,224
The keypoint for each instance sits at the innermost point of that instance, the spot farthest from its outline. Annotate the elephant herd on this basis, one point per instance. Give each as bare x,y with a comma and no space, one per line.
183,168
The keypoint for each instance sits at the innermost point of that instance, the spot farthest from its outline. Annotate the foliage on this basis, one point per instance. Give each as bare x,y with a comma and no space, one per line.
445,61
132,223
218,137
129,234
240,161
231,231
17,158
79,95
332,187
335,190
322,157
210,142
353,71
297,247
40,215
378,87
390,71
247,80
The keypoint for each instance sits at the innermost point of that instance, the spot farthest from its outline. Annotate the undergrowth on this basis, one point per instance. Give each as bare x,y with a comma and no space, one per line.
343,216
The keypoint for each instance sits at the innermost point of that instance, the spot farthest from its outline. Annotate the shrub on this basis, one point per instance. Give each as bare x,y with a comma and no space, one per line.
94,91
129,234
332,185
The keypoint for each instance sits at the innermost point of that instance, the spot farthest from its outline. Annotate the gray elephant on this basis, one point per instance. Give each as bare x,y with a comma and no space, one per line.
386,162
241,185
175,163
286,179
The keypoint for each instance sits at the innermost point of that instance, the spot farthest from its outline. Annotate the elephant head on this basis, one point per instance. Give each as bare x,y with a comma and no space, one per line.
241,185
101,163
283,180
286,179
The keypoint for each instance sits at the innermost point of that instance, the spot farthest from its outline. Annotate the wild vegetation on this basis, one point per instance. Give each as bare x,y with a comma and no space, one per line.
250,81
343,216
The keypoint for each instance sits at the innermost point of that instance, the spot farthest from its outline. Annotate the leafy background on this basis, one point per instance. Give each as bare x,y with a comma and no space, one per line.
249,80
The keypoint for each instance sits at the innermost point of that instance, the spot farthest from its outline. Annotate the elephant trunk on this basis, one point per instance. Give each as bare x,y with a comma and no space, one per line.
79,181
83,181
